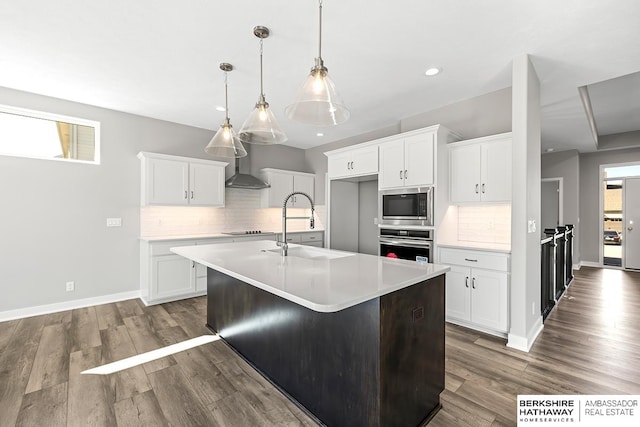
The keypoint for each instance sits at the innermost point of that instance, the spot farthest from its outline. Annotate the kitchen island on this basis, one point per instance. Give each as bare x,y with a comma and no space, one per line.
357,340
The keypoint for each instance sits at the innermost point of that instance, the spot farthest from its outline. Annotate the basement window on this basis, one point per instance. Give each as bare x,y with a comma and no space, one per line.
41,135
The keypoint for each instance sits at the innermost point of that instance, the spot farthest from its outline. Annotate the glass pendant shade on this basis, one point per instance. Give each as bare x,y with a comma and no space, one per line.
225,143
317,102
261,127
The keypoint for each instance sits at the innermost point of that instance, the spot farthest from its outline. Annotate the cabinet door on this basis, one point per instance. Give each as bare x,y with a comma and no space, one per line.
464,170
171,276
489,299
206,185
281,187
305,184
391,164
167,182
496,171
364,161
458,299
339,165
201,276
418,160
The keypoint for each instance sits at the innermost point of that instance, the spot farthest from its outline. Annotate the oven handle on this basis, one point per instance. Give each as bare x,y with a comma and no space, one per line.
407,243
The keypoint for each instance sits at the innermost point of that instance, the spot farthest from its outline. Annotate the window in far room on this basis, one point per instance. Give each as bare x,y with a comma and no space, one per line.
36,134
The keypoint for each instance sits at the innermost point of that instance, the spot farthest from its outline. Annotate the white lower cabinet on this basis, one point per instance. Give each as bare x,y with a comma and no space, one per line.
165,276
477,289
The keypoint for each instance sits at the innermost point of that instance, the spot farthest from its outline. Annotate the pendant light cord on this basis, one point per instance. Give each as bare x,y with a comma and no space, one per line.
226,99
320,30
261,86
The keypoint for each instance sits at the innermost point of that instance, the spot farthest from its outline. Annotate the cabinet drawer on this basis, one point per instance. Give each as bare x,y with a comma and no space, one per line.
487,260
311,237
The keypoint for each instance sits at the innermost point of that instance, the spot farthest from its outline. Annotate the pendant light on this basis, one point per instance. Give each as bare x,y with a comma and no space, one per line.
317,102
261,126
225,143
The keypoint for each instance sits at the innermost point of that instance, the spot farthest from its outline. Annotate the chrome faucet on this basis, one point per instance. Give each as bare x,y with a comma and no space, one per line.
283,244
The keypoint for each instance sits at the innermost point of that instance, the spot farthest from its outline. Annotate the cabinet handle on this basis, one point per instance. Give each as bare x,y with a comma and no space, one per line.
473,283
471,260
351,165
482,188
400,174
348,165
193,264
405,174
192,194
466,281
185,194
476,188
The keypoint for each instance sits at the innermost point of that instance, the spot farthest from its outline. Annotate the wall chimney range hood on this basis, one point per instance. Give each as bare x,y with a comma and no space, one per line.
245,180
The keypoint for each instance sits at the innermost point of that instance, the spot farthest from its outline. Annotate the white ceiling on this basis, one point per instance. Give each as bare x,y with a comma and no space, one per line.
159,58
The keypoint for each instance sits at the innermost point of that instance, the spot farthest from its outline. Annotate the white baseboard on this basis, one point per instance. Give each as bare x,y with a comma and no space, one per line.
66,305
525,343
589,264
576,266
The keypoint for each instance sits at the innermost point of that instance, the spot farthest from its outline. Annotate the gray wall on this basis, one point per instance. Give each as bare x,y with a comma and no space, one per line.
483,115
344,205
589,194
52,223
368,210
550,204
566,165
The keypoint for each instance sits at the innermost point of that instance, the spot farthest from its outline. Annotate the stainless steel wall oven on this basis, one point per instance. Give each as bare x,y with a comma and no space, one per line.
411,244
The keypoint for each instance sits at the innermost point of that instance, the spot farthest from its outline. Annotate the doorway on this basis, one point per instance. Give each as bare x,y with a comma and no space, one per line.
620,212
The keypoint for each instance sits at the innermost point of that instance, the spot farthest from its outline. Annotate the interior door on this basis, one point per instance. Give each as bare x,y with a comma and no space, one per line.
631,230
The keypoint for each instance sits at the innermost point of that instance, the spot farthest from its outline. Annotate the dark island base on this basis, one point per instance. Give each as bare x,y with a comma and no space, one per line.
379,363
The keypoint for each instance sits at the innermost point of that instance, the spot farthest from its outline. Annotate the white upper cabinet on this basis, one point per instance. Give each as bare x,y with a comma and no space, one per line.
407,161
283,183
204,185
353,162
174,180
481,170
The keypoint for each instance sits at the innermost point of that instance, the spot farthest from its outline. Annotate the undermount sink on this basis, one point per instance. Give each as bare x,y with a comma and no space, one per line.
311,253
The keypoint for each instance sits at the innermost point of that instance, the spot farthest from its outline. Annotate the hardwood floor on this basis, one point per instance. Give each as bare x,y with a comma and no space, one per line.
590,345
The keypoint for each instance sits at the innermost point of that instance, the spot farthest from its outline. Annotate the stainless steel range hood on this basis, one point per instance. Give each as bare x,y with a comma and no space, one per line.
245,180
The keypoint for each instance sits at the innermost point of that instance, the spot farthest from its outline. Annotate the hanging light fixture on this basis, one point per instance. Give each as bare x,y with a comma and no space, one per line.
225,143
317,102
261,126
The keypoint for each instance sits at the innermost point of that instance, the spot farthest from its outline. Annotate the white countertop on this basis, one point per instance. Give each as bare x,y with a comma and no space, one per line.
481,246
324,285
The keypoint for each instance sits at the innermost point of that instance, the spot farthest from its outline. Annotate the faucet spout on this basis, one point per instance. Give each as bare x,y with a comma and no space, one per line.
283,244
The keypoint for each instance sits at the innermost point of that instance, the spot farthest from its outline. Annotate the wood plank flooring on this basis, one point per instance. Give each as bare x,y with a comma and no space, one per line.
590,345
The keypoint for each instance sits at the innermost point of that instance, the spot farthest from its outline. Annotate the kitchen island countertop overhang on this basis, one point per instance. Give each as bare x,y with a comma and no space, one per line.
322,280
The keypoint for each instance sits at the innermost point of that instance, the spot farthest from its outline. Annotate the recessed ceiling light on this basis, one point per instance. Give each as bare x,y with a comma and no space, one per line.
319,134
220,108
432,71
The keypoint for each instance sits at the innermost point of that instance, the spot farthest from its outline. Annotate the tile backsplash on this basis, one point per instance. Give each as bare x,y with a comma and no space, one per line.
486,223
242,211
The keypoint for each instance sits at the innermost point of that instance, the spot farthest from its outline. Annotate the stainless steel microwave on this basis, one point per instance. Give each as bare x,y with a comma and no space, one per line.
407,206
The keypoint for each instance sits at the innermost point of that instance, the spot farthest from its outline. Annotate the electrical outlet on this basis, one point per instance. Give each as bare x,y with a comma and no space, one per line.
114,222
71,286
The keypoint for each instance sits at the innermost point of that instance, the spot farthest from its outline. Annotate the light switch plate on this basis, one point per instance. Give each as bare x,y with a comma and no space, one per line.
114,222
